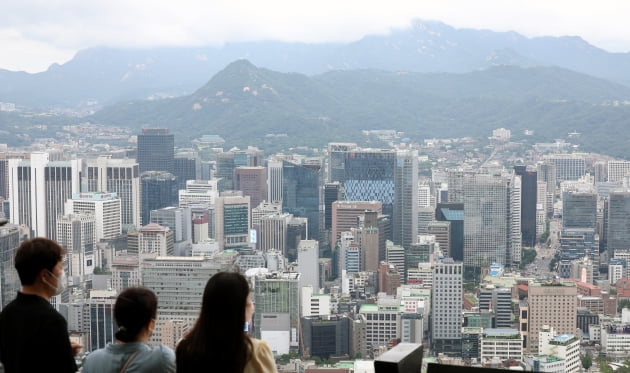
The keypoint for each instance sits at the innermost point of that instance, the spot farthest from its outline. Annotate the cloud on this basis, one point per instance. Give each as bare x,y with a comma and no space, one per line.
60,26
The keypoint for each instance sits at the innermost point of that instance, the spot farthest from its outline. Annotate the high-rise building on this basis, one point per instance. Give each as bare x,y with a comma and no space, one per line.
274,181
178,283
345,215
405,216
177,219
252,181
300,194
546,171
185,168
453,213
105,207
446,307
389,279
424,195
492,220
442,231
618,234
150,241
567,166
102,323
529,186
199,192
370,176
337,153
277,314
579,209
159,189
498,300
264,209
233,221
326,336
38,190
273,232
120,176
552,304
10,239
156,150
617,170
332,193
308,264
4,176
76,233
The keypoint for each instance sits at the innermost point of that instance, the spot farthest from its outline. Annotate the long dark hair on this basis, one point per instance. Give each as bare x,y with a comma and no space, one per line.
134,309
217,341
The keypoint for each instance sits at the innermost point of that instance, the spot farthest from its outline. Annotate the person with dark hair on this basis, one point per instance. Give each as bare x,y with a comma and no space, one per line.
135,312
218,341
33,335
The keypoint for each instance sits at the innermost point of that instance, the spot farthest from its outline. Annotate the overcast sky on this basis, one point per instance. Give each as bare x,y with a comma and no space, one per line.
37,33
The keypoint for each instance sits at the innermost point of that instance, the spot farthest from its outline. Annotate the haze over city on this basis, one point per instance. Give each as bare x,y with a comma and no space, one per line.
453,174
36,34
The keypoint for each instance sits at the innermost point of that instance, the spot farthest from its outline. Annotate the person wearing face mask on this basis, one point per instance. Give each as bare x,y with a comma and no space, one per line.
33,335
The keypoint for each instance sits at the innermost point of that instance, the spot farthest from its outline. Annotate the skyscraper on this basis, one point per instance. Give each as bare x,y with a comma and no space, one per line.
405,216
178,283
345,215
76,233
446,304
233,221
185,168
277,314
105,207
567,166
491,220
159,189
9,281
529,185
617,170
120,176
552,304
337,152
252,181
178,219
579,209
156,150
274,181
300,194
618,234
38,190
369,176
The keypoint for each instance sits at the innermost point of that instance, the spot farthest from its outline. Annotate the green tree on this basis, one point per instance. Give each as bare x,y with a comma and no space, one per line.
527,257
587,361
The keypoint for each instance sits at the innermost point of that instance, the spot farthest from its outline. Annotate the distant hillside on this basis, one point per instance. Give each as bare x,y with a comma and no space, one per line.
100,76
244,104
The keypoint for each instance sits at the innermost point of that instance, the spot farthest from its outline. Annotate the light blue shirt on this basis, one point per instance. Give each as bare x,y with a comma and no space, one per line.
111,359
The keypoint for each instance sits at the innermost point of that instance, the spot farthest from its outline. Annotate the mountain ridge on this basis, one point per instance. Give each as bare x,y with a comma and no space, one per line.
244,103
107,75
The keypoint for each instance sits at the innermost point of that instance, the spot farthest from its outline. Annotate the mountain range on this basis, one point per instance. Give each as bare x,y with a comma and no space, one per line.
247,105
100,76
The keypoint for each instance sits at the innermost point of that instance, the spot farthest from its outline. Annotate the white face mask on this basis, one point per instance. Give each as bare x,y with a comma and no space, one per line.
62,282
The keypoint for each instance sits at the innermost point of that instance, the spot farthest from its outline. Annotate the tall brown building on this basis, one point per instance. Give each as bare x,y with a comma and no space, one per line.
252,181
345,215
553,304
388,278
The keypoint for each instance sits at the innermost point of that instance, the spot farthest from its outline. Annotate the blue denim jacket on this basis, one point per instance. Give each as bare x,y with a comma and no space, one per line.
148,359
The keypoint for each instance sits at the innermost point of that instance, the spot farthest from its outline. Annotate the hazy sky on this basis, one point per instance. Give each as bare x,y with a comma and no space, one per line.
36,33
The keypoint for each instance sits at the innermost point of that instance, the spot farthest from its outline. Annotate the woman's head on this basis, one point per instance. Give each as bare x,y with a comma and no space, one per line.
135,311
226,299
218,339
